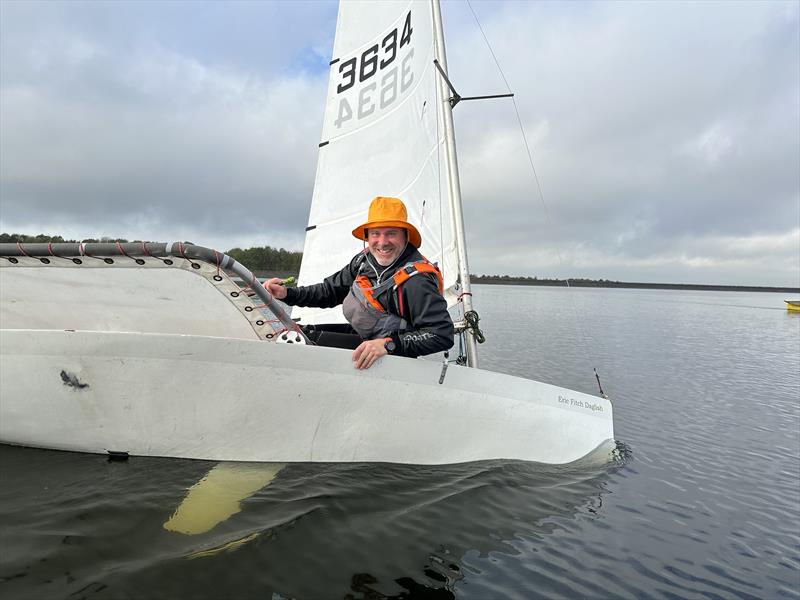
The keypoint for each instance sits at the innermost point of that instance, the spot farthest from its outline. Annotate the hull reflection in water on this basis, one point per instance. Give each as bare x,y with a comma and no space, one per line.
310,531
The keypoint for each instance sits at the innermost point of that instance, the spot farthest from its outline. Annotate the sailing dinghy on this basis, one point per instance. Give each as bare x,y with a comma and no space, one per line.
153,350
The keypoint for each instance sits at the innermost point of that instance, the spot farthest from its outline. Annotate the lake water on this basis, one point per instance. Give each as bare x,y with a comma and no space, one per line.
701,501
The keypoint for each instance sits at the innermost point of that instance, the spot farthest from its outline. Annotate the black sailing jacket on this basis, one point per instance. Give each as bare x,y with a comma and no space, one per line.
430,328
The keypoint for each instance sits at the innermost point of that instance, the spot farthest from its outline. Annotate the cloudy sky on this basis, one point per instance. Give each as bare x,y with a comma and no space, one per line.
666,136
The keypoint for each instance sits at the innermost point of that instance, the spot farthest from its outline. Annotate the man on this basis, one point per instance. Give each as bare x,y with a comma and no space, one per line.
391,294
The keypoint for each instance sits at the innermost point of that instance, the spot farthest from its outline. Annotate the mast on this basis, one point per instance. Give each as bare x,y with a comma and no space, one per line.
454,184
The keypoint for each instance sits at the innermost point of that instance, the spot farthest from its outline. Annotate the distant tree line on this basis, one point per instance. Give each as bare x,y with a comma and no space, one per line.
607,283
266,258
522,280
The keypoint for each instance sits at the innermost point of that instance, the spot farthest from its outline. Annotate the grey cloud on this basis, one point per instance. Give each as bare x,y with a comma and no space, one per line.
666,135
153,136
257,37
650,125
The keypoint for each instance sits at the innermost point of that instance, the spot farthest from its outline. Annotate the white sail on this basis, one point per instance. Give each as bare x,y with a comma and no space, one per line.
381,137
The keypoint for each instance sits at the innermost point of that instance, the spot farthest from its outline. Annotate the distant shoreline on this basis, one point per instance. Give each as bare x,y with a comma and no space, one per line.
594,283
602,283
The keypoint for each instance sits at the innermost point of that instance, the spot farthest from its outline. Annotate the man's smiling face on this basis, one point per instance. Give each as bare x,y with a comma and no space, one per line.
386,244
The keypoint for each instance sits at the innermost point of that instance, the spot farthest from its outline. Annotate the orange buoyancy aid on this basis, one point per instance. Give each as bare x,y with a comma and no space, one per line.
367,315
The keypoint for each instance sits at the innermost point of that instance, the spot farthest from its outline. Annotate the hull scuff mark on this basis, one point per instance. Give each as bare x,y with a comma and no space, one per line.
71,380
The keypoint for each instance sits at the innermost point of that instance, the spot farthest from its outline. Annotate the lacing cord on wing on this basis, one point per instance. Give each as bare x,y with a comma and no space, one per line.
138,261
248,289
147,253
82,251
44,260
285,331
250,292
276,332
216,259
53,254
182,252
13,260
21,249
122,250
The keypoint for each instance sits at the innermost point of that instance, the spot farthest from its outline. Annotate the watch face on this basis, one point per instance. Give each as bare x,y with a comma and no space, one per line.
389,345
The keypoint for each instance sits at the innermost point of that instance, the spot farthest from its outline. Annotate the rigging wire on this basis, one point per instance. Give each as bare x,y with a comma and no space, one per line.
547,214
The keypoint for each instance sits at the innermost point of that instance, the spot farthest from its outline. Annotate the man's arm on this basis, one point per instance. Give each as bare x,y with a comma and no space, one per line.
331,292
430,326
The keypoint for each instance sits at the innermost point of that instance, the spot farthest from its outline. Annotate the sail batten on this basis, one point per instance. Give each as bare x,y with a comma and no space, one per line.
382,136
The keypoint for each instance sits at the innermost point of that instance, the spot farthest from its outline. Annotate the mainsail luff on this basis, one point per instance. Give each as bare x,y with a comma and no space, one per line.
454,183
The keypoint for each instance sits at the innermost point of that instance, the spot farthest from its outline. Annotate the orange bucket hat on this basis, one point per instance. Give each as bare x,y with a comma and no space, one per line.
388,212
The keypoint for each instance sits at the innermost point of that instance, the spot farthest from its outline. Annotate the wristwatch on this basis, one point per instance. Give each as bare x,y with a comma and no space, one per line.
389,345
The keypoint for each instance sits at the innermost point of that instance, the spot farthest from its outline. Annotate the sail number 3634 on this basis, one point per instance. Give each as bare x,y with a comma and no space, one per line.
377,59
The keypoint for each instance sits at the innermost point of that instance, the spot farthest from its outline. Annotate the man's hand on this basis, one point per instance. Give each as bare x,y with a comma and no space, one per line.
367,353
274,287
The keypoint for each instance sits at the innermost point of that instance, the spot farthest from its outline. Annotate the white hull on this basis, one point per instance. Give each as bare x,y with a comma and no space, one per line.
190,396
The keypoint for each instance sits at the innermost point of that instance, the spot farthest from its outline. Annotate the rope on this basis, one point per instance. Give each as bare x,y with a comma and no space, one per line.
216,258
122,251
82,251
21,249
138,261
147,253
295,327
249,286
547,213
53,254
472,319
182,249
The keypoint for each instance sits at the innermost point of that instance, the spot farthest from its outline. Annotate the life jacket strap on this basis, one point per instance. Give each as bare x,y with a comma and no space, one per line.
410,270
